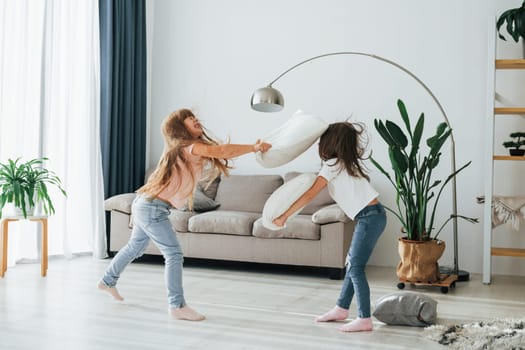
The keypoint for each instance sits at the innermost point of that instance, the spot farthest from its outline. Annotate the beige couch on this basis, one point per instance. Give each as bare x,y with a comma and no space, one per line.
319,236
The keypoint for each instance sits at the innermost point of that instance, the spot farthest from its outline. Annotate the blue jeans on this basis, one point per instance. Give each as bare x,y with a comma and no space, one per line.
150,221
371,222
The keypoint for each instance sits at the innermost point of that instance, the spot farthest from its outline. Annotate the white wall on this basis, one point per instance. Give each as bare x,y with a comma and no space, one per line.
211,55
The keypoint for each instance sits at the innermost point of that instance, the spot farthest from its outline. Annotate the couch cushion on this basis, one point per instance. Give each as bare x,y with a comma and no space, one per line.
201,202
179,219
246,192
209,188
223,221
322,199
120,202
300,227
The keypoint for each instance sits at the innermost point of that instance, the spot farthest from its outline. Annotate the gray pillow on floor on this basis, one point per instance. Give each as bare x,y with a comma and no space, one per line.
406,309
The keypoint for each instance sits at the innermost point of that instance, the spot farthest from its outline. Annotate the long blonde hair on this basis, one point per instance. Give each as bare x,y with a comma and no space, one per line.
176,138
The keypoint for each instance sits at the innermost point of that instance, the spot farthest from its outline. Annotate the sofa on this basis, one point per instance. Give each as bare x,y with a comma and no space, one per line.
228,226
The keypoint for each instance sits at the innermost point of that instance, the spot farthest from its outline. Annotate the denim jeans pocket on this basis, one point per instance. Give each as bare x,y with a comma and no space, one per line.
371,212
158,213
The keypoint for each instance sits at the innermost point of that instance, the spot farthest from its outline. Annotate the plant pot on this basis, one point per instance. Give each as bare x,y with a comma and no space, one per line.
419,260
517,152
11,210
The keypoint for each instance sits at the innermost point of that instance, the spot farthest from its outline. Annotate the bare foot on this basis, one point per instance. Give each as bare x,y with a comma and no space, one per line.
358,325
185,313
336,314
111,290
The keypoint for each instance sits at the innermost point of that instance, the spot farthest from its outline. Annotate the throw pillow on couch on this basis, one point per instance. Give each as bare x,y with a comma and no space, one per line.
201,202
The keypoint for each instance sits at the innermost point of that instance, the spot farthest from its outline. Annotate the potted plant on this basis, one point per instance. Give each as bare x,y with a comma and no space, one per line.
25,184
515,24
417,193
515,19
515,144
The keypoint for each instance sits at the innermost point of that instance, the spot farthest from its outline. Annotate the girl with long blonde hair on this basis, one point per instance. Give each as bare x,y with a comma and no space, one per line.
188,150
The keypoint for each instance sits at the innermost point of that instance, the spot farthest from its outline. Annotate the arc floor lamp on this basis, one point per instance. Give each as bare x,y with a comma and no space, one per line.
269,99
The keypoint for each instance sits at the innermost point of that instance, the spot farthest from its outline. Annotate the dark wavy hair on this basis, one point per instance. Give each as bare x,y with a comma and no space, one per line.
345,142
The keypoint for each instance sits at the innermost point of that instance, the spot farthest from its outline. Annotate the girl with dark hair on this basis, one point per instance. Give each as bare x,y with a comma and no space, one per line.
342,151
188,149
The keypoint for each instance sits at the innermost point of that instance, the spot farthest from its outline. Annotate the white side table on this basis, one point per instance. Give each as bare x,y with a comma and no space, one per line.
3,241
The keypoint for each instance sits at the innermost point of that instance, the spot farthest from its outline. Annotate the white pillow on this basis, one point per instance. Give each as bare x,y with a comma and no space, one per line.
284,197
291,139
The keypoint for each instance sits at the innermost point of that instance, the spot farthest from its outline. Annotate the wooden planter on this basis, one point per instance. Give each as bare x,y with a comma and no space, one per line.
419,260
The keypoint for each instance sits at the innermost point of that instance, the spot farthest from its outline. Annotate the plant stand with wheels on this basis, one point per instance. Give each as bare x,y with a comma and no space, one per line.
445,282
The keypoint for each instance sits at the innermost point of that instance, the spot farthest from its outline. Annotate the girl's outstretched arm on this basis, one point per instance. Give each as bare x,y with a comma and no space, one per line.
319,183
229,150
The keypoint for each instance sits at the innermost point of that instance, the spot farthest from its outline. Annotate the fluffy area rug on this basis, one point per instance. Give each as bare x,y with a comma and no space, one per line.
500,334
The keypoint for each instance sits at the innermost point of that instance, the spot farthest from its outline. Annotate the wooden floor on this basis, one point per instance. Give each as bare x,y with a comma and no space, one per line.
247,307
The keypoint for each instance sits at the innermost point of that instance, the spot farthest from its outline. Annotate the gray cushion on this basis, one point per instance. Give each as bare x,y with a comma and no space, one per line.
179,219
201,202
406,309
223,221
300,227
322,199
210,188
246,192
120,202
331,213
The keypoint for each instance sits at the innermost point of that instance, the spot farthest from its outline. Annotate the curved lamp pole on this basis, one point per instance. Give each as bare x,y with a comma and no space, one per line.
269,99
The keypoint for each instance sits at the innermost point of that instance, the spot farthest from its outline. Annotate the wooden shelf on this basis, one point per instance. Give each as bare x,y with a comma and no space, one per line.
510,64
493,110
509,110
508,252
508,158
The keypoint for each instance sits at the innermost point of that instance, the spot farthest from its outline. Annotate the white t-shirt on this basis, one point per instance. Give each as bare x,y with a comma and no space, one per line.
351,193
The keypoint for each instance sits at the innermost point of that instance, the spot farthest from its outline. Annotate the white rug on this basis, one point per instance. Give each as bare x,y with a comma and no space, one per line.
500,334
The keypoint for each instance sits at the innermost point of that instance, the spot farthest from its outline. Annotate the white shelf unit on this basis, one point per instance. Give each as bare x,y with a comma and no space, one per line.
493,113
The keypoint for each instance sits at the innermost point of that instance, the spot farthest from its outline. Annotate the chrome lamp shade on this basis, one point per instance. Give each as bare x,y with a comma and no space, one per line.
267,99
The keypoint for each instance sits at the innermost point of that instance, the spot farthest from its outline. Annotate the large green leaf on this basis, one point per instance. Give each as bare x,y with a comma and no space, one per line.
404,116
399,160
381,129
436,142
397,134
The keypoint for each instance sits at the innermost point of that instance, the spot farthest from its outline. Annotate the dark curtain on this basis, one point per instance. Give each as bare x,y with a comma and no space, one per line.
123,94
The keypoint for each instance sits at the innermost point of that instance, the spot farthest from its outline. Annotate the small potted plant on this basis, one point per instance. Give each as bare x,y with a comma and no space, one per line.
515,23
518,140
25,184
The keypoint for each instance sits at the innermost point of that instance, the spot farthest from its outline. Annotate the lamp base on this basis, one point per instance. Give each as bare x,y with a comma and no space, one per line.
463,276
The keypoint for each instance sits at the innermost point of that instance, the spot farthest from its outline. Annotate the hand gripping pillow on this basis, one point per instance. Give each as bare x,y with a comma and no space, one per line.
283,197
294,137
